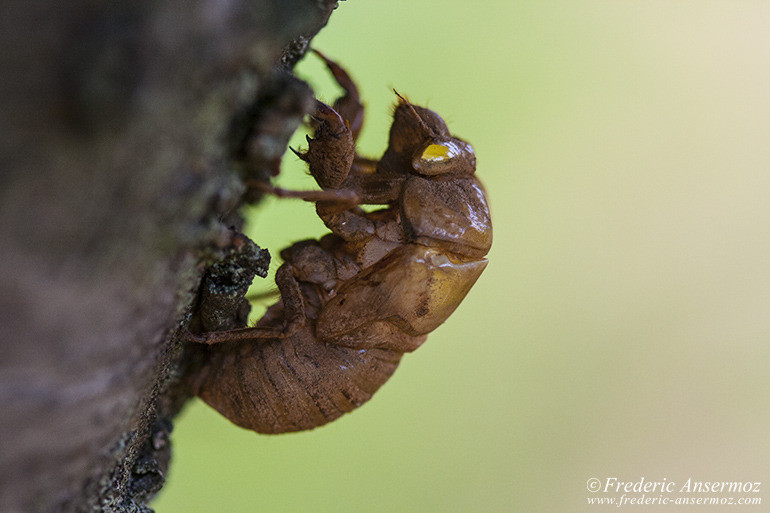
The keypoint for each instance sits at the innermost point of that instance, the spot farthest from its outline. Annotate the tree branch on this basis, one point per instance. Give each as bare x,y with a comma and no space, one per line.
128,129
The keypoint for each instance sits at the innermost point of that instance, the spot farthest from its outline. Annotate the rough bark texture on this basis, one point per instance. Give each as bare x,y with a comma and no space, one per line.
127,129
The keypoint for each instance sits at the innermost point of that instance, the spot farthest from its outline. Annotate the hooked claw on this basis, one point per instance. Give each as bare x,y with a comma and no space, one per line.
302,156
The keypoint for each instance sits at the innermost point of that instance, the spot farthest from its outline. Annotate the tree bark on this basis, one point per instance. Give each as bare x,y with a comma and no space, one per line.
127,131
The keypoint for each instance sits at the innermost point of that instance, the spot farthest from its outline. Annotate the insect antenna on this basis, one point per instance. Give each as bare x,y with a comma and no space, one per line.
424,126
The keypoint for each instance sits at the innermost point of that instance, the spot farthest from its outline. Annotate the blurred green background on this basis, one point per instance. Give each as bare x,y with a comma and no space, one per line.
621,328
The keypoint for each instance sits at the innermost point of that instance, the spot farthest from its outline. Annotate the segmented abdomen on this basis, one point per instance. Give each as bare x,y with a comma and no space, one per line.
292,384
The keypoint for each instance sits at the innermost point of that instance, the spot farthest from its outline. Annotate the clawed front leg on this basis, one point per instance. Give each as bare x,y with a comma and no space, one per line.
331,151
346,179
293,313
348,105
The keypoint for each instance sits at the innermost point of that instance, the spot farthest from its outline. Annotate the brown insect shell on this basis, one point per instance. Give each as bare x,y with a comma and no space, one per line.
415,288
293,384
449,212
447,226
363,311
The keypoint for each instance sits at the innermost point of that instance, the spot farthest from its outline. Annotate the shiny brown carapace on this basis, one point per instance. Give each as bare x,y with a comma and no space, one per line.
353,302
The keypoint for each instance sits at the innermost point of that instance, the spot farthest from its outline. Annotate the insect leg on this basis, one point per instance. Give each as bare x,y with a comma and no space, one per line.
348,105
293,312
331,151
351,109
350,224
346,197
363,166
260,296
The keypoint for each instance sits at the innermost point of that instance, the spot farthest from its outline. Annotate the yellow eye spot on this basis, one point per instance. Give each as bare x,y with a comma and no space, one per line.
436,153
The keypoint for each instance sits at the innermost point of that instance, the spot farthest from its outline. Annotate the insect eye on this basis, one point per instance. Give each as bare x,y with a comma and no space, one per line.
438,158
437,153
